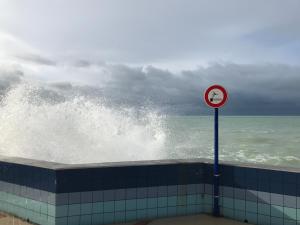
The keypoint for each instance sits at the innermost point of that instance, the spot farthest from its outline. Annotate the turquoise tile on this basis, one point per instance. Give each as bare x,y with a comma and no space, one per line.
98,207
63,221
97,219
141,203
86,220
182,200
228,203
208,199
109,207
131,204
192,209
44,208
130,216
263,220
290,213
199,199
141,214
162,212
251,207
162,202
227,212
181,210
50,220
276,221
251,217
172,211
207,208
152,203
172,201
120,217
120,205
108,218
290,222
86,208
239,215
276,211
61,210
192,199
151,213
74,220
264,209
74,210
51,210
298,215
239,204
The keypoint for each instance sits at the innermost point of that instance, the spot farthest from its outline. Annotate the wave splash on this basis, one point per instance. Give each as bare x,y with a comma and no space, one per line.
45,123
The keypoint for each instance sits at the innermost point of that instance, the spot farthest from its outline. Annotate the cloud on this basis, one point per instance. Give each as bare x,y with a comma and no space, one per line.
254,89
36,59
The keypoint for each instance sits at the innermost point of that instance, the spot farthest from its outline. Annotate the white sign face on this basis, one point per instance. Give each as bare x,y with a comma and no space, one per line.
215,96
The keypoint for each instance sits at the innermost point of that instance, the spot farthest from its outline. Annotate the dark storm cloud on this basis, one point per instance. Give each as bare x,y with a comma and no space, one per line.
268,89
253,89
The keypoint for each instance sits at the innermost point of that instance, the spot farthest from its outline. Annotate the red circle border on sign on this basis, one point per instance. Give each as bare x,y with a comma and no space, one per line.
221,89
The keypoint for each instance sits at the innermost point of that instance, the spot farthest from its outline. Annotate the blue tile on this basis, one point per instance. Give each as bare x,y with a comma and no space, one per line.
290,222
108,218
239,204
97,219
162,202
98,207
276,221
277,211
131,204
86,220
86,208
74,210
162,212
131,193
141,203
120,205
141,214
108,206
172,201
263,220
239,215
251,217
152,203
151,213
251,207
264,209
172,211
130,216
120,217
74,220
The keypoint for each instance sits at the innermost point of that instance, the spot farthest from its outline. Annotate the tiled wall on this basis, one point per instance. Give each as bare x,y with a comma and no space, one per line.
115,193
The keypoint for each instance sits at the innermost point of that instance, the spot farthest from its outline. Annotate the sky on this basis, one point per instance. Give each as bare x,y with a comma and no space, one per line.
166,53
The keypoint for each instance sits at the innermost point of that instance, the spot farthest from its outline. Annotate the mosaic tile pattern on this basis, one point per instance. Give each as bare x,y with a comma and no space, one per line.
58,195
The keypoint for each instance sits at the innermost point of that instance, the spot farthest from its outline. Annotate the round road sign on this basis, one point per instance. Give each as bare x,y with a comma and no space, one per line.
215,96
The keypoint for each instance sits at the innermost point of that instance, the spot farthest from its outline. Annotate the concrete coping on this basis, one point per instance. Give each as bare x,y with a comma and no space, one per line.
62,166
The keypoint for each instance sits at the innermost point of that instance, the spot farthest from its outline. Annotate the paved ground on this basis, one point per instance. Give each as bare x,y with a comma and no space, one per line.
9,220
187,220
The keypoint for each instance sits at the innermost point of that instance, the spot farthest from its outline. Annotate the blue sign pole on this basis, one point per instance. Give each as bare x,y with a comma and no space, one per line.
216,211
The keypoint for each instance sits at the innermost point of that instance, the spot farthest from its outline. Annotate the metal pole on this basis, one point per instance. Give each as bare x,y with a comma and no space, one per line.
216,211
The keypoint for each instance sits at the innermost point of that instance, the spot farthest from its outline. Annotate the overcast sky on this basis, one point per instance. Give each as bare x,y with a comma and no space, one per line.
162,51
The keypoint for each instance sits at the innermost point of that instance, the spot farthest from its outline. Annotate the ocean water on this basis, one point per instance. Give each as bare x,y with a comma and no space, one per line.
63,124
272,140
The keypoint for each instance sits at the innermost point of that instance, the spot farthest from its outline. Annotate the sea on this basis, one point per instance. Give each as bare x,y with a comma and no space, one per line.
269,140
51,123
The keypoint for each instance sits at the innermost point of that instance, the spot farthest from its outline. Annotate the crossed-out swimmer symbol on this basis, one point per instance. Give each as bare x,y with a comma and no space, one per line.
214,94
